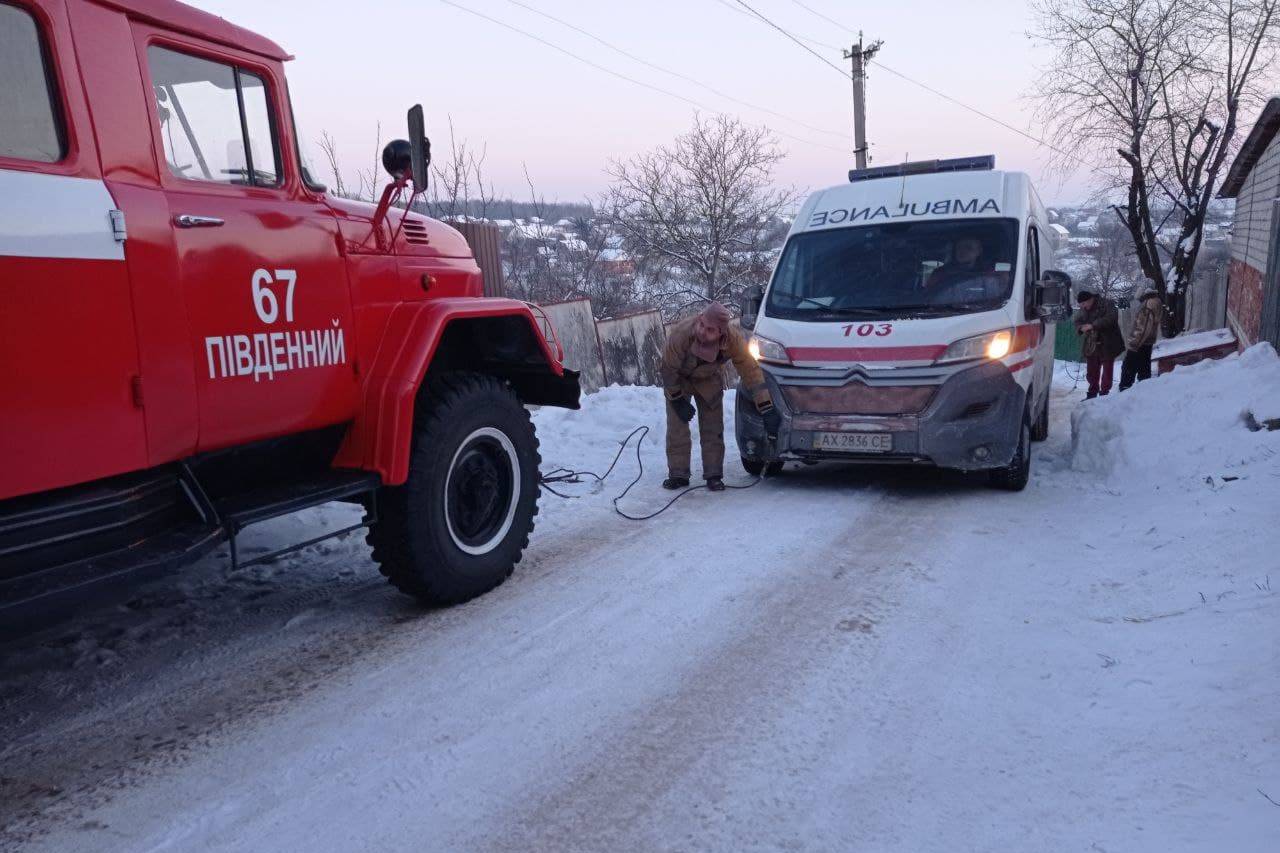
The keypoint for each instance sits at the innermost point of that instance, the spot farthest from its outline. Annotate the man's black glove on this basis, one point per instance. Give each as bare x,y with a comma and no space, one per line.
772,420
684,408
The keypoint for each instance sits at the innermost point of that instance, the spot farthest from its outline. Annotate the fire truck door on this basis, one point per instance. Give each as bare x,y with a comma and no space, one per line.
265,287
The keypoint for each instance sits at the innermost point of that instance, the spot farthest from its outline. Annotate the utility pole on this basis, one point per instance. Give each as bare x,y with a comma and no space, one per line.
860,55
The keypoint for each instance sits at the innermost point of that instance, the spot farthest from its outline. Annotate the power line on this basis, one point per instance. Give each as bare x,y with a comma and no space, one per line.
620,75
927,88
668,71
793,37
738,11
813,11
987,116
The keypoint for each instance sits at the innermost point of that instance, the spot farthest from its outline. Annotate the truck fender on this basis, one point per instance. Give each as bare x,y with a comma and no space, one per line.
448,334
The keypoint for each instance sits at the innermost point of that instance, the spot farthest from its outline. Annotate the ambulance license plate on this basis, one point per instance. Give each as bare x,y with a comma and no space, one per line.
854,442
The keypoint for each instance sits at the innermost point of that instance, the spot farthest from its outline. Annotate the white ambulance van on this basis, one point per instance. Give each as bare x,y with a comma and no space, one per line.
910,320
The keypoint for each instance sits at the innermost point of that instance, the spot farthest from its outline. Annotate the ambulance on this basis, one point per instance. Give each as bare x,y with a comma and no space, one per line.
910,319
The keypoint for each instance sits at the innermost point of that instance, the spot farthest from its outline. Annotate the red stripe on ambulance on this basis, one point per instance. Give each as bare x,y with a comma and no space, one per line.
864,354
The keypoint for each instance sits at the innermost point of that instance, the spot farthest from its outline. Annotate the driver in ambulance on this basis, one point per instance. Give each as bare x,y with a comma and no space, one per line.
966,261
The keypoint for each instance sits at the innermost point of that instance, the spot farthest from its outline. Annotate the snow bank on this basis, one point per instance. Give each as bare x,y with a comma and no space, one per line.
1191,423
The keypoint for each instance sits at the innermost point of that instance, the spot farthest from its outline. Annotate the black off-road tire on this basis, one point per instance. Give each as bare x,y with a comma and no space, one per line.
756,467
1040,429
1014,476
461,522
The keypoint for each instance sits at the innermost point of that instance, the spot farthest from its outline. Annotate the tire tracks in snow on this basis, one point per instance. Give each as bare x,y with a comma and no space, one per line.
73,747
823,614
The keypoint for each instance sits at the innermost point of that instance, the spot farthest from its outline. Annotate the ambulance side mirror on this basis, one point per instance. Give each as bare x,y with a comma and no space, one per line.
750,306
1053,296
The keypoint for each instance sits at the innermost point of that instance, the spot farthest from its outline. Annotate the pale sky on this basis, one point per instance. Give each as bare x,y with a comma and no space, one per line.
360,63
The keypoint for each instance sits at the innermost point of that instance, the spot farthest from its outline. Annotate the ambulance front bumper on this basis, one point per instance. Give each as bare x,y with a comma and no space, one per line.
965,417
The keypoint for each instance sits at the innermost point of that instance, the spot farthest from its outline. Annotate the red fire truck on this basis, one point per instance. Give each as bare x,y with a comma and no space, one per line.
196,336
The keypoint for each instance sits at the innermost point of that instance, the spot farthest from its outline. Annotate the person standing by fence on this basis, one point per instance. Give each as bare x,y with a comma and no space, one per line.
1146,325
1099,323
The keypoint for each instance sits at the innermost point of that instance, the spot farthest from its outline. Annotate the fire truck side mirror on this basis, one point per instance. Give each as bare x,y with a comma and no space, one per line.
420,148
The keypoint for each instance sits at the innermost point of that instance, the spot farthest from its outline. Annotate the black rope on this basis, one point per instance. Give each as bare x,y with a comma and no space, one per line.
566,475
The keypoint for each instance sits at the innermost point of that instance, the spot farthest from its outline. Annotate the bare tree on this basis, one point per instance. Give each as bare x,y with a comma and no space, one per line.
330,150
458,184
697,213
1111,268
1151,90
372,180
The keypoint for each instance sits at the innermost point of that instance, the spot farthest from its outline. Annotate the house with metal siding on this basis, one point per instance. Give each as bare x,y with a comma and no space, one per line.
1253,290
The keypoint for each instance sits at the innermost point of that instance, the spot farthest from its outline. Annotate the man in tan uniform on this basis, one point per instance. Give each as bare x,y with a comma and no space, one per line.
692,367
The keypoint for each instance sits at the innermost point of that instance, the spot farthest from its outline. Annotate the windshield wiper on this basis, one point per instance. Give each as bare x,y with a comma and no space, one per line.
940,306
840,310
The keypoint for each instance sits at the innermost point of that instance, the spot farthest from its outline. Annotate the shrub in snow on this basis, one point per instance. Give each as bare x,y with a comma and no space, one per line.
1191,423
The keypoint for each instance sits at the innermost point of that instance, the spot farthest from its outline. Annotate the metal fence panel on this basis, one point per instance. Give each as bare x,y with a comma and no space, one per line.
631,347
576,328
485,241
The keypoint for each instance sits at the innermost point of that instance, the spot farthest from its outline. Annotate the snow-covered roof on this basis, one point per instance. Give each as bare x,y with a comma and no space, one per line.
1183,344
533,231
1060,230
1259,139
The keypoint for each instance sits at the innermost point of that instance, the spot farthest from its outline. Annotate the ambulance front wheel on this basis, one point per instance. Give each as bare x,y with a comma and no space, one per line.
756,467
1014,476
1040,429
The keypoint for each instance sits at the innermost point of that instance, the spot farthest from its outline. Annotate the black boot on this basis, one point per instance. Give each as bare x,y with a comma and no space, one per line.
674,483
715,484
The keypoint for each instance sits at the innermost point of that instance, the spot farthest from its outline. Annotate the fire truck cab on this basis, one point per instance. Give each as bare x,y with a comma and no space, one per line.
910,320
196,335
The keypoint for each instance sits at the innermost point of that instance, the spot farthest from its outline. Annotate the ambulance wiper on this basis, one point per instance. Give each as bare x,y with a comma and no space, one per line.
851,311
939,307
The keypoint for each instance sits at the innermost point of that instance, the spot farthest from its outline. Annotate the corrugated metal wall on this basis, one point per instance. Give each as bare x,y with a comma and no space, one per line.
631,347
485,241
1207,301
576,328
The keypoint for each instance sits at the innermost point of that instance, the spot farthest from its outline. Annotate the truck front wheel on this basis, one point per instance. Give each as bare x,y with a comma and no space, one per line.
461,521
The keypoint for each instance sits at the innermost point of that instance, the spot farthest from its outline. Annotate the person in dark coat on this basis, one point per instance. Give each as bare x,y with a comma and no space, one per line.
1099,323
1146,327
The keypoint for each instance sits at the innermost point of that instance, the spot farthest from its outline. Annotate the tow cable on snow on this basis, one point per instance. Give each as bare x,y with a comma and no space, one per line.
568,476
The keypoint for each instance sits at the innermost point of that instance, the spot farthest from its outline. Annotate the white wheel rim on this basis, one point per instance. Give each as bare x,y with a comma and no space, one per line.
510,450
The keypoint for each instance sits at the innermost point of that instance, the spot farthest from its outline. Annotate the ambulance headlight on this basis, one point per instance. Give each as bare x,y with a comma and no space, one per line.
763,349
992,345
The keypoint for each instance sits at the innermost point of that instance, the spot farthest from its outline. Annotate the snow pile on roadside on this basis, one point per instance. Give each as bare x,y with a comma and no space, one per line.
1191,423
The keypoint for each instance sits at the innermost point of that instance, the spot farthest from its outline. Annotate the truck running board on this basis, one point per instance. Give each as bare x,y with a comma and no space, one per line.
238,512
57,549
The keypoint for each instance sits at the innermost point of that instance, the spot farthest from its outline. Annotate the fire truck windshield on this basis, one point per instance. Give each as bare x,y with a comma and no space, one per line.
919,268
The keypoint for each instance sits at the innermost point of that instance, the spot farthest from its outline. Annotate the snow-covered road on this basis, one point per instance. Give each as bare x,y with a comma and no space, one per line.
840,659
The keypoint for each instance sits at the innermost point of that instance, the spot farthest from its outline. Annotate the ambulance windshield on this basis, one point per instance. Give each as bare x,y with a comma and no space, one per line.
899,269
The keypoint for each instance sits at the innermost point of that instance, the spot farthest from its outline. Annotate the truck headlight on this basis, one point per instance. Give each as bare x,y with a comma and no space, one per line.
763,349
992,345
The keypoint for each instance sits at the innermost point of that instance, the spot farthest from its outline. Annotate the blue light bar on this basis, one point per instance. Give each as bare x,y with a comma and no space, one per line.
983,163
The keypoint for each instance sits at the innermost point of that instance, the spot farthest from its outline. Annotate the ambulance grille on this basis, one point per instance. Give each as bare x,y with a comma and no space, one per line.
415,232
859,399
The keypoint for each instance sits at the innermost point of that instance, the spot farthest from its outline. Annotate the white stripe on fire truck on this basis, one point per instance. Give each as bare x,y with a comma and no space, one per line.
56,216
